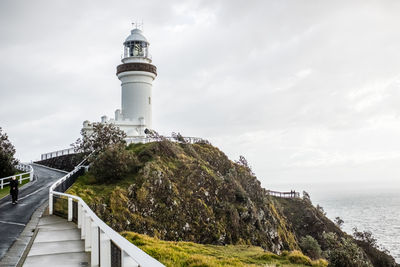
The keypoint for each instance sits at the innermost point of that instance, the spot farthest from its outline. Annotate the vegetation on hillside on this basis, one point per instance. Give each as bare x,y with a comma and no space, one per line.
190,192
177,191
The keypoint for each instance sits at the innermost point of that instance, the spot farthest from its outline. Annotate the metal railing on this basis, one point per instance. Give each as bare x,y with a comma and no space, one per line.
291,194
107,247
57,153
189,140
28,174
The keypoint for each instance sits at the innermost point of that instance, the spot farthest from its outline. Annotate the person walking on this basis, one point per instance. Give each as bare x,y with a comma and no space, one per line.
14,190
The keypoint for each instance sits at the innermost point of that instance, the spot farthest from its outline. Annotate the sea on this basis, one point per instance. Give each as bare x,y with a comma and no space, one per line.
375,211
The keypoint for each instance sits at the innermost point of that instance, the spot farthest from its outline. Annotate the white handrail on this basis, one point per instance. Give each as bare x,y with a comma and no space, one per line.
22,167
186,139
57,153
98,235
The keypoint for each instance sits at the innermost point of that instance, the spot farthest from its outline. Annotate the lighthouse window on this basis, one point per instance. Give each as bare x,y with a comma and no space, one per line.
136,48
149,100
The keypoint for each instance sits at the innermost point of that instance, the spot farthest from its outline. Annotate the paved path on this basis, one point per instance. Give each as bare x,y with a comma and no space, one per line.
57,243
13,218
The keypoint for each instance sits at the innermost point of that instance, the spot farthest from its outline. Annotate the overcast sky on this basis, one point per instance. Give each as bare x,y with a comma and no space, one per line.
307,91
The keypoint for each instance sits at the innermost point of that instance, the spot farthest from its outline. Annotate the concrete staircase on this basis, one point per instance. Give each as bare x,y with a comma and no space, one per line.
57,243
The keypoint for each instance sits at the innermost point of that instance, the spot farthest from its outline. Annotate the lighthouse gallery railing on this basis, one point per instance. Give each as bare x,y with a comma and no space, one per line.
108,248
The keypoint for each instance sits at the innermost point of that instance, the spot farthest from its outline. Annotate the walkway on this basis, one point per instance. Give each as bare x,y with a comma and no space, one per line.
57,243
291,194
13,218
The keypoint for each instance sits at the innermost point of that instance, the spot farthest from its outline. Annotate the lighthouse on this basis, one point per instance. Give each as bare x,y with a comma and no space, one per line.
136,74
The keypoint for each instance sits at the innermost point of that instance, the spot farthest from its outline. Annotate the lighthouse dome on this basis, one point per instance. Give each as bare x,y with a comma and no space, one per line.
136,35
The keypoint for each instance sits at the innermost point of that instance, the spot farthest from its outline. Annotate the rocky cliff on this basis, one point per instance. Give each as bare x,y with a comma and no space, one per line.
193,192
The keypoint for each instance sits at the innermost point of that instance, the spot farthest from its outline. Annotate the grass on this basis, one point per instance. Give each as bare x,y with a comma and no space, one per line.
6,190
182,254
89,190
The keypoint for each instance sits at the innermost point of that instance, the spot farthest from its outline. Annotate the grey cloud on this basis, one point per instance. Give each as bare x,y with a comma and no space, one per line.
304,89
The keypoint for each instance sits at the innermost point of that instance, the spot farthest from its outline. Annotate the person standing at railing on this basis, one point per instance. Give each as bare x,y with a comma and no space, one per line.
14,190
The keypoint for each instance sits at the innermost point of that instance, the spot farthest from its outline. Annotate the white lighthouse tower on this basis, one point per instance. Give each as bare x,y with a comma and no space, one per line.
136,74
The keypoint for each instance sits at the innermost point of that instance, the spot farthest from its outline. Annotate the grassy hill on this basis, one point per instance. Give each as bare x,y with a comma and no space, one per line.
189,205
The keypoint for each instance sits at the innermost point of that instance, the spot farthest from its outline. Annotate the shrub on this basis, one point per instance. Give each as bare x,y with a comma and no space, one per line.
320,263
101,136
113,164
366,237
310,247
297,257
345,253
306,197
244,163
321,210
339,222
7,160
369,244
285,253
